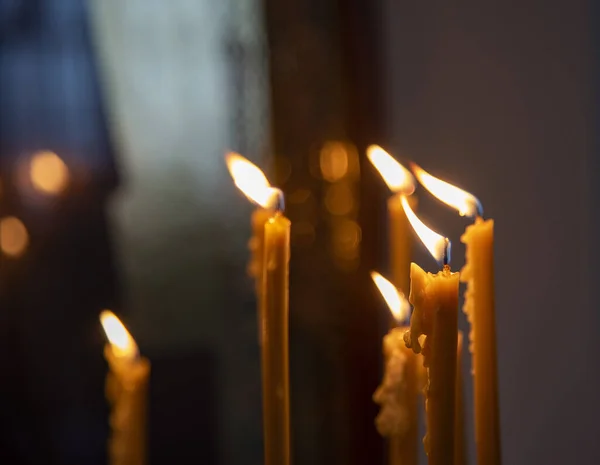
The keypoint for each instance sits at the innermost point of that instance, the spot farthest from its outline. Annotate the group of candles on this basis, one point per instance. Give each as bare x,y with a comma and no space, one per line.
432,339
422,354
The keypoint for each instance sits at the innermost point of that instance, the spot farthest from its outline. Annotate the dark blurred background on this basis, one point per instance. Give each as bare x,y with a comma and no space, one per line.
114,119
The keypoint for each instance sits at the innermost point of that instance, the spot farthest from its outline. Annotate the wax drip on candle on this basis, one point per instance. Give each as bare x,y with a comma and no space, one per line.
393,415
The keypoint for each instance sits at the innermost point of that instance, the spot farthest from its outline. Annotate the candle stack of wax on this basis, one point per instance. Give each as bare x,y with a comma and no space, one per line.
275,349
435,300
126,392
270,266
478,273
398,397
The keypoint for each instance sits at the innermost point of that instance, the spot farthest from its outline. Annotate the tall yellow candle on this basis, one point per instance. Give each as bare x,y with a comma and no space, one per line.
274,309
398,394
435,301
126,391
275,348
401,182
255,185
478,273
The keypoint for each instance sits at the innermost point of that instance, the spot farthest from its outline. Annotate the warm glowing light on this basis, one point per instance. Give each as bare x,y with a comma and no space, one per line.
465,203
333,161
250,180
398,178
14,238
435,243
339,199
395,300
120,340
48,173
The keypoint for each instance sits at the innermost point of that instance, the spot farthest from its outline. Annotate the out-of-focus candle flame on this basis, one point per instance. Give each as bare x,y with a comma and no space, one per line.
14,238
395,300
465,203
120,340
250,180
396,176
48,172
437,244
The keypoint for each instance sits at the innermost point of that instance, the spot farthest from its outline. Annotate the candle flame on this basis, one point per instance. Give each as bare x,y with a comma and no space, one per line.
396,176
397,303
250,180
437,244
465,203
120,340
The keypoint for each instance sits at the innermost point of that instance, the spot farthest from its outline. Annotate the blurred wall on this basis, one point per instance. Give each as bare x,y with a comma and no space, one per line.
186,80
497,97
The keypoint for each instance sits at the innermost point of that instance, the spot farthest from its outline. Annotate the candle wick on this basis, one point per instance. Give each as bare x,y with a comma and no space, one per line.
278,201
447,252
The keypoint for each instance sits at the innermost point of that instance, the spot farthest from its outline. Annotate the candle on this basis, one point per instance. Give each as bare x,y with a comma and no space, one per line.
126,392
401,182
478,273
251,178
435,301
275,356
398,394
274,309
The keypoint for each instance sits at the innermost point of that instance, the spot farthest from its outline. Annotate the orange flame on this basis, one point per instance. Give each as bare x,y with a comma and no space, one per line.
435,243
120,340
465,203
397,303
396,176
250,180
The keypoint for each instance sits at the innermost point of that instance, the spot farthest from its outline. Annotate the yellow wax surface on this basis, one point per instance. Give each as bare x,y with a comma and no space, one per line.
400,241
478,273
435,300
126,392
398,396
275,349
256,245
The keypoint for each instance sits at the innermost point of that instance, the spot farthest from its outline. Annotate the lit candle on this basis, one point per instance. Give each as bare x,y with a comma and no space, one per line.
401,182
249,178
478,273
435,301
274,306
398,394
126,391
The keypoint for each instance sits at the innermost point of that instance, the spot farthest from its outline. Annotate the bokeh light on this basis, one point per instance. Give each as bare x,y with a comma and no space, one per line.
14,238
48,173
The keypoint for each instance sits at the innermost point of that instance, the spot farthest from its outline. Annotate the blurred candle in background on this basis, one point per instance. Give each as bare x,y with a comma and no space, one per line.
401,183
251,181
274,309
435,301
478,273
126,391
398,394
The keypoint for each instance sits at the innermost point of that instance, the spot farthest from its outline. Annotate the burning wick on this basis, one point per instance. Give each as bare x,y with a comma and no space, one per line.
277,200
